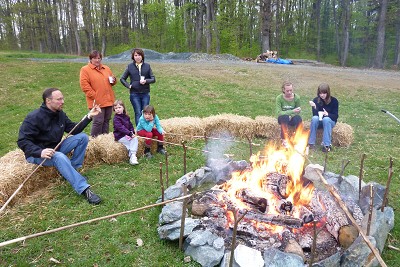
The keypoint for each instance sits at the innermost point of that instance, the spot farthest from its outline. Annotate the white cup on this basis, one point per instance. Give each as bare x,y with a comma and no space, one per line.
320,115
142,78
111,79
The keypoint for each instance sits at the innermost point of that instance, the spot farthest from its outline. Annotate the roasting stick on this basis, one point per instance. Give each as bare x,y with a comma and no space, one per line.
37,167
8,242
347,212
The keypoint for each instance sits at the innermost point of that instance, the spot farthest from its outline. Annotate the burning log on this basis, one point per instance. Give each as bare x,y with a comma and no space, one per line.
335,217
247,196
276,184
282,220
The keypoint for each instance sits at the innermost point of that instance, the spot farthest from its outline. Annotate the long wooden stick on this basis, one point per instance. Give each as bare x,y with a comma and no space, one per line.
5,243
347,212
353,221
37,167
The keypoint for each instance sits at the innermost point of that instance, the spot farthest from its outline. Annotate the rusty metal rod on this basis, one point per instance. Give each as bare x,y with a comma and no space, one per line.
385,197
360,177
161,183
166,169
371,208
184,157
183,218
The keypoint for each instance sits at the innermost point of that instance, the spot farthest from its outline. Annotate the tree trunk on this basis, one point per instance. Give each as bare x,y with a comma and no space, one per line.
209,26
265,24
318,22
346,31
199,24
397,47
88,24
380,44
74,26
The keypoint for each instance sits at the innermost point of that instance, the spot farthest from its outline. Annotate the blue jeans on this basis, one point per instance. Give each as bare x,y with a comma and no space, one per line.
327,124
68,167
139,101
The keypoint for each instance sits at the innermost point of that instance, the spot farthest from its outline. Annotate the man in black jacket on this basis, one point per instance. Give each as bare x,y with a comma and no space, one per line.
43,129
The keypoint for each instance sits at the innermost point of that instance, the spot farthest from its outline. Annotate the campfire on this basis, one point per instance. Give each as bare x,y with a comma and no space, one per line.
273,202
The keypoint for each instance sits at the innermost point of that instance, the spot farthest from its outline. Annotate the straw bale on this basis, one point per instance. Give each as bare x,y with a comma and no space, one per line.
104,148
182,129
238,126
267,127
342,135
14,169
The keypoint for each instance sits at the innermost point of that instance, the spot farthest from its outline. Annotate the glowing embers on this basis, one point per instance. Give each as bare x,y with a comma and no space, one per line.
272,191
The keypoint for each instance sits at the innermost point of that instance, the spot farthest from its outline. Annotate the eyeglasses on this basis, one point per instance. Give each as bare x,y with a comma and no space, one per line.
57,99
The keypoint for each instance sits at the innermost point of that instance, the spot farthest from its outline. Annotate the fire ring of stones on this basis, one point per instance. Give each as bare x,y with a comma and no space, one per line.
274,233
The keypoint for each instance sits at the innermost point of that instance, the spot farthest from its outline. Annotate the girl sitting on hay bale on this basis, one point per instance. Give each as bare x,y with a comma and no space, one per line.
124,132
149,126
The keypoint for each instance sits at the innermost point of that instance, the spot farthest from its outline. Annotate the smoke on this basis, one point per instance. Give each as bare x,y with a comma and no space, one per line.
217,146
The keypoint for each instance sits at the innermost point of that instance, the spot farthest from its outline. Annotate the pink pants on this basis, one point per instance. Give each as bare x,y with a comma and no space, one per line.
152,134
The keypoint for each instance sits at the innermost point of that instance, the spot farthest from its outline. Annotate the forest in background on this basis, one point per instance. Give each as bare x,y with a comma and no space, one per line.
364,33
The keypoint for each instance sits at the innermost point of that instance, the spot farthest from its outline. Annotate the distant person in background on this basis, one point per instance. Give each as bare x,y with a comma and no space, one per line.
288,110
96,82
149,126
43,129
141,76
124,132
325,110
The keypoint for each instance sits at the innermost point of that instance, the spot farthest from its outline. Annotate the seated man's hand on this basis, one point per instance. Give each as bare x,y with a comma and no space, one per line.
47,153
94,111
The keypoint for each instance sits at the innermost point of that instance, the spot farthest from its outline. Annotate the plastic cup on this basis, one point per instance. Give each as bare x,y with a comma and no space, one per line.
320,115
142,78
111,79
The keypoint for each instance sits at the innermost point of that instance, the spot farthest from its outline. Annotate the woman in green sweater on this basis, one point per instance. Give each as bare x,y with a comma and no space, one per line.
288,110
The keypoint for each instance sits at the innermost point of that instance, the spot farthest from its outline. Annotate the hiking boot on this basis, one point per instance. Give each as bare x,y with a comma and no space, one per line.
326,148
91,197
148,155
311,146
133,160
161,150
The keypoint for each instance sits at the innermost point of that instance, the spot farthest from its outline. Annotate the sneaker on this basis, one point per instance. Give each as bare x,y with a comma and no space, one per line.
133,160
311,146
326,148
148,155
91,197
161,151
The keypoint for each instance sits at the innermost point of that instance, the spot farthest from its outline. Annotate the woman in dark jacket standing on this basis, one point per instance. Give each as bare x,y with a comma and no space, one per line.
141,76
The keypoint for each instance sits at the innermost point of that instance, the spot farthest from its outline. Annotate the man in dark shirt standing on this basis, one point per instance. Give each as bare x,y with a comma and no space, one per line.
43,129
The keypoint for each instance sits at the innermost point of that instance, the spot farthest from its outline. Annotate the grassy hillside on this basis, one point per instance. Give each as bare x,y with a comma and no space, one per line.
182,89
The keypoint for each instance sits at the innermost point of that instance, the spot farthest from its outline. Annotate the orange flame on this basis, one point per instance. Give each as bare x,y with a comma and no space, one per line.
289,162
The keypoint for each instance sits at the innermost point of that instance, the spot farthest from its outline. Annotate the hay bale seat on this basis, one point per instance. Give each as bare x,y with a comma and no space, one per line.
268,127
104,149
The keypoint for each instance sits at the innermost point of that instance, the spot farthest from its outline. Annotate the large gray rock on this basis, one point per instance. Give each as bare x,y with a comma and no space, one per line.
172,231
358,254
204,247
275,258
171,212
381,224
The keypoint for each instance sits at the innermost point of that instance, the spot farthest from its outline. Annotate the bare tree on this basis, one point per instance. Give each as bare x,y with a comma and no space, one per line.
265,24
380,44
88,23
345,32
199,24
74,25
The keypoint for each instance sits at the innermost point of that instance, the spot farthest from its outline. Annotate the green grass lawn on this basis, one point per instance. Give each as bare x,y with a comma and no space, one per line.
182,89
